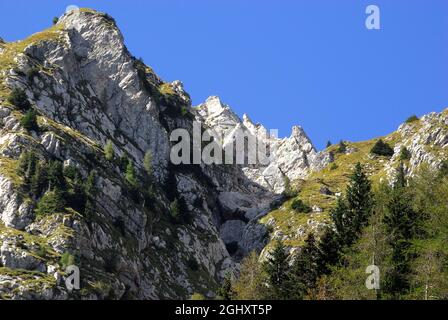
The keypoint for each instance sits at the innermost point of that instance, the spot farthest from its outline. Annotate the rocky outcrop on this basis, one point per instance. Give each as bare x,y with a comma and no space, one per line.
425,139
88,89
292,157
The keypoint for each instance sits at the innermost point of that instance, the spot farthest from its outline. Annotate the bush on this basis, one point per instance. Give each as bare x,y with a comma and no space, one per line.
55,20
342,147
29,121
382,149
33,72
299,206
67,260
109,151
197,297
329,144
334,166
174,209
192,264
412,118
52,202
18,98
405,154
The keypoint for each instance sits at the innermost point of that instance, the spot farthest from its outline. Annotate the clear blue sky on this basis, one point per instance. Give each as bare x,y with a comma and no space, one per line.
284,62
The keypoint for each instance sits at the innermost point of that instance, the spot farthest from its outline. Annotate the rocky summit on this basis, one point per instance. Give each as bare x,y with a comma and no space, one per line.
86,177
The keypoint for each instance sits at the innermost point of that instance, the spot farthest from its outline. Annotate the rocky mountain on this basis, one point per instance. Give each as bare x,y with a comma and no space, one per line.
165,236
294,157
86,177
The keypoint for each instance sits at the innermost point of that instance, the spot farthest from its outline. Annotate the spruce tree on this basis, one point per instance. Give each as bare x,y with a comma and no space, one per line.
343,221
277,270
29,121
109,151
402,226
359,198
56,178
305,270
131,177
329,250
39,180
147,163
225,292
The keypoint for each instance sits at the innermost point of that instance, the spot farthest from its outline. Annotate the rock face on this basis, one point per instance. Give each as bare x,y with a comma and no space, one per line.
87,89
292,157
425,139
183,226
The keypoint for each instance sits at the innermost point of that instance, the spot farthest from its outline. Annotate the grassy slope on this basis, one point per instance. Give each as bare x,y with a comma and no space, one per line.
335,178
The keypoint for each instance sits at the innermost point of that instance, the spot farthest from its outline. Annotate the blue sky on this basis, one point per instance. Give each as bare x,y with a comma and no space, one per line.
284,62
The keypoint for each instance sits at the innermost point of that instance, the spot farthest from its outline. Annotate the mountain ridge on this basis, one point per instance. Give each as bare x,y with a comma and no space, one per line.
162,235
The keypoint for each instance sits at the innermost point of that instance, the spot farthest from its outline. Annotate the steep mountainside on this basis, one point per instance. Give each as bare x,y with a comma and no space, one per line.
138,235
86,177
416,142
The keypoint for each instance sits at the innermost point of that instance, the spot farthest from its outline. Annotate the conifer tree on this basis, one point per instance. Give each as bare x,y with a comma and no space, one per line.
131,177
329,250
225,292
359,198
147,163
109,152
305,270
277,270
401,223
251,282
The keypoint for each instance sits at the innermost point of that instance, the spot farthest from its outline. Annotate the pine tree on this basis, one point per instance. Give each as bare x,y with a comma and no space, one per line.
52,202
27,165
329,250
359,198
90,185
381,148
39,180
277,270
225,292
343,221
305,270
56,176
109,152
131,177
19,99
147,163
342,147
329,144
29,121
401,224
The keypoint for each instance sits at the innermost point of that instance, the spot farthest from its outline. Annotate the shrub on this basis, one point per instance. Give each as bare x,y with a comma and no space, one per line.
197,297
52,202
71,172
382,149
192,264
299,206
411,119
131,176
18,98
147,163
329,144
109,151
405,154
67,260
334,166
33,72
174,209
55,20
29,121
342,147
